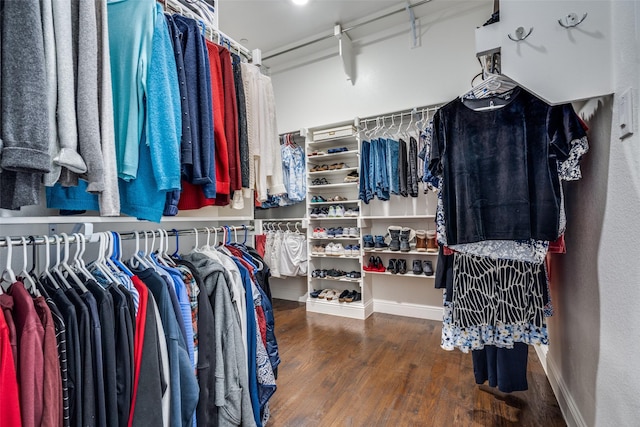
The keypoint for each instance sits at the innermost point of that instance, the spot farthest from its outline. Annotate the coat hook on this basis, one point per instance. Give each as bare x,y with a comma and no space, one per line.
571,20
520,34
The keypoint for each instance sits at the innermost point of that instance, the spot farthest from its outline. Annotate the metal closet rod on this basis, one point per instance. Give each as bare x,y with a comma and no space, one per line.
420,110
128,235
344,30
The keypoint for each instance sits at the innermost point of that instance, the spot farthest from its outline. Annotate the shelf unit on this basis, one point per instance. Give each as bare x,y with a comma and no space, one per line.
400,253
323,139
407,274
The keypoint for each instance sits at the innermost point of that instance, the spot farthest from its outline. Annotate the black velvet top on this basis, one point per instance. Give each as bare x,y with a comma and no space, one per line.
499,167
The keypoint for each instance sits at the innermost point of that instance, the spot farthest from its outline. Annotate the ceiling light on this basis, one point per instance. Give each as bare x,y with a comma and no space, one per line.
300,2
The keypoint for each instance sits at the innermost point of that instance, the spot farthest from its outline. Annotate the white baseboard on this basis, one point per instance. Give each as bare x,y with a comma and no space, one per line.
419,311
570,410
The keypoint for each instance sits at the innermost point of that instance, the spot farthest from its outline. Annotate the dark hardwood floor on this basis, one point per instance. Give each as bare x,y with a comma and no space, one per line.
390,371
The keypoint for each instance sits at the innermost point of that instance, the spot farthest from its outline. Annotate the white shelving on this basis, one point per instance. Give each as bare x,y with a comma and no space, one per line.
333,238
407,274
334,171
339,202
341,155
337,185
341,279
411,252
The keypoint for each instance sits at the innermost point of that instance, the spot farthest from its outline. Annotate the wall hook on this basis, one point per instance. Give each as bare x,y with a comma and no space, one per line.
520,34
571,20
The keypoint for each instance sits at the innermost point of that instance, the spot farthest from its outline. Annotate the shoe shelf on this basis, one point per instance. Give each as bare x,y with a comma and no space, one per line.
334,238
323,301
341,154
333,171
373,251
347,138
407,274
339,279
338,185
398,216
334,218
339,202
335,256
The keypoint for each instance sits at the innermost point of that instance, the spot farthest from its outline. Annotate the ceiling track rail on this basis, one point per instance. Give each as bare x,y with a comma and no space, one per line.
402,9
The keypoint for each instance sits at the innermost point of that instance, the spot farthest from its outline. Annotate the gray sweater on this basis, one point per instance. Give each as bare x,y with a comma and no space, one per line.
231,392
24,122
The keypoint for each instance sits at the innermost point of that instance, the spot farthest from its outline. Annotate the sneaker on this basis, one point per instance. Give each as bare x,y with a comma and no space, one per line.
348,250
314,213
322,233
338,249
323,212
348,213
339,211
320,249
339,232
328,250
354,232
355,250
380,244
368,241
332,212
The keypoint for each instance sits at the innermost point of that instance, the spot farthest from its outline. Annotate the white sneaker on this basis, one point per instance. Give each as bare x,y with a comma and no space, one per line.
354,232
322,233
338,249
332,212
339,211
328,250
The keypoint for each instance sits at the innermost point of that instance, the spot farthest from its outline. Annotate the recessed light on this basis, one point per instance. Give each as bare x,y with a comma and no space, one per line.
300,2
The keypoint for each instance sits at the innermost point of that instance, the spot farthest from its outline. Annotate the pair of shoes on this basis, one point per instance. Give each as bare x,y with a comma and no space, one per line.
329,294
316,293
336,211
353,297
354,275
338,199
319,233
316,153
352,212
319,274
318,199
335,232
367,240
420,267
397,266
319,168
351,232
317,212
336,166
318,250
380,244
335,273
320,181
352,250
334,249
375,265
352,177
337,150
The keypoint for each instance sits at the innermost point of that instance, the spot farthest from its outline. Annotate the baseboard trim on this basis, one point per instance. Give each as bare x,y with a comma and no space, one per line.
418,311
570,410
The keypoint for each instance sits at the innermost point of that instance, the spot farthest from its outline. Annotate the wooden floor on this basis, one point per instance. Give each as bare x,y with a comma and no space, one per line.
390,371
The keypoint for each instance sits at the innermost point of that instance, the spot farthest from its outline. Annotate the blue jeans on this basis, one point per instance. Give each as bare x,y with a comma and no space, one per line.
365,192
392,166
378,169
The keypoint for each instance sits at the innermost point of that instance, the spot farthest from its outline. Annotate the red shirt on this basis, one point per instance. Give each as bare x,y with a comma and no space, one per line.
138,339
8,380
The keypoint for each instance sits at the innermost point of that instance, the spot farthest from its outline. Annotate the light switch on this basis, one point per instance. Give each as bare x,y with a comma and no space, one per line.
625,113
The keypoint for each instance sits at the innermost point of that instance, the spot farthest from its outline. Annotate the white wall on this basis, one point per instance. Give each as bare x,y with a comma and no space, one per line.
594,351
390,76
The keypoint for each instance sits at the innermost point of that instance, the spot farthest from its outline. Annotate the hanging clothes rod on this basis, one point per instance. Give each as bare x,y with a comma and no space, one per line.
344,30
128,235
389,116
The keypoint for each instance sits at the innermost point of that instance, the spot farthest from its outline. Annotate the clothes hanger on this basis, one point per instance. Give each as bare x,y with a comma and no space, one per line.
56,267
100,263
67,267
117,256
176,253
147,254
30,285
136,261
47,257
165,252
246,233
8,270
159,258
195,247
81,245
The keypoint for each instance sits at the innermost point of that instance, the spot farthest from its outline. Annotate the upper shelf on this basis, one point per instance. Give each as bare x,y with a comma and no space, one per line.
342,154
73,219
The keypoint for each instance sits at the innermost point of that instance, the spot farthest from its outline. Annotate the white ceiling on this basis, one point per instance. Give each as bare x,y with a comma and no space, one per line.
273,25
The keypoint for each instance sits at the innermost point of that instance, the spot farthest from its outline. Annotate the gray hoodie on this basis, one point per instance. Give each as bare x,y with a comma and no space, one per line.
24,128
231,392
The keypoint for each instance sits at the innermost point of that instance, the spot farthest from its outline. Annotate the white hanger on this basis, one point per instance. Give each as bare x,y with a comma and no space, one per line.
165,253
47,257
147,253
196,248
79,263
136,260
56,266
8,269
27,280
100,263
67,267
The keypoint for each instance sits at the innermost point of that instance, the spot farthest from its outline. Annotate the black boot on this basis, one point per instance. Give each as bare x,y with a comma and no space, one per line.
405,234
393,266
402,266
427,267
417,266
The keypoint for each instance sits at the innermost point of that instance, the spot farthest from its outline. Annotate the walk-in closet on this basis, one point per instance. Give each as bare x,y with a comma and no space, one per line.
300,213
